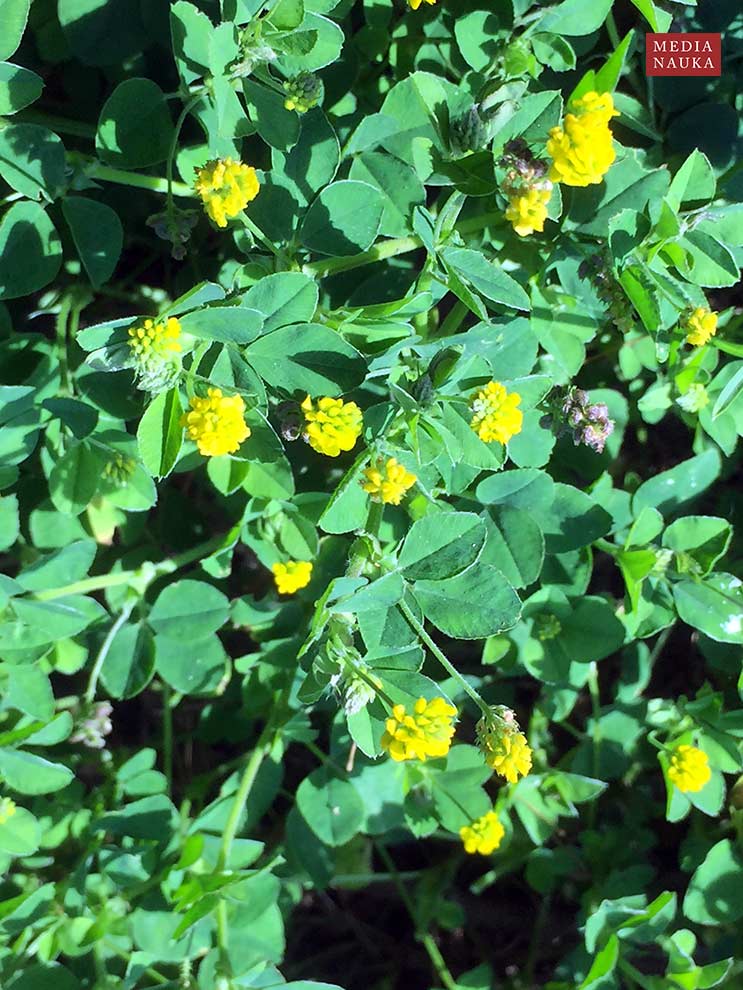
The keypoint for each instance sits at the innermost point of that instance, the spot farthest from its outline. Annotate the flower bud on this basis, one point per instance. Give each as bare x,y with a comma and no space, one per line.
303,92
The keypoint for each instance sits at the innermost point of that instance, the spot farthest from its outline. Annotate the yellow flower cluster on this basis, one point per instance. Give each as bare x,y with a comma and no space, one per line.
388,482
216,423
332,425
226,187
581,149
7,809
292,576
527,210
494,413
701,326
484,835
415,4
688,768
506,750
161,340
426,731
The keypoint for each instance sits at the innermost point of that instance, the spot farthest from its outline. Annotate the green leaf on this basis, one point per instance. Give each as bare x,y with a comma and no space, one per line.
103,32
98,236
331,807
160,433
20,835
229,324
150,818
283,298
32,160
192,33
189,667
477,603
573,18
628,186
135,128
308,358
189,610
30,691
30,774
703,538
515,545
30,250
19,87
671,489
714,606
74,479
599,975
730,392
713,895
277,126
287,14
13,17
486,277
400,188
573,520
608,75
57,619
695,180
344,218
130,661
440,545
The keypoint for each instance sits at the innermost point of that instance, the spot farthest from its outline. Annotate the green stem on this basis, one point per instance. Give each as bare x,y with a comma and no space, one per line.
258,234
635,974
103,652
95,170
425,937
442,659
61,125
168,737
187,108
593,687
62,321
453,320
392,248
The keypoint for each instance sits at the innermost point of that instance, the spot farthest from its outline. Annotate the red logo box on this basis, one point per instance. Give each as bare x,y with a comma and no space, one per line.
683,54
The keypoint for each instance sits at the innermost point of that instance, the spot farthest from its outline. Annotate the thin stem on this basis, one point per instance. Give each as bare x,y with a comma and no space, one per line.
425,937
453,320
103,652
535,942
442,659
61,125
593,687
187,108
168,736
61,324
95,170
258,234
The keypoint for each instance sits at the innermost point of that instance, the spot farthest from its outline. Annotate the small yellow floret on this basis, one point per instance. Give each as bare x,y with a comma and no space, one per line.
484,835
388,482
159,339
292,576
415,4
332,425
582,149
701,326
226,187
527,211
689,768
509,754
7,809
494,413
426,732
216,423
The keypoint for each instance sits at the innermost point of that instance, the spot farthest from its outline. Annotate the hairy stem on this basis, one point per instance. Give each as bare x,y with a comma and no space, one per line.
103,652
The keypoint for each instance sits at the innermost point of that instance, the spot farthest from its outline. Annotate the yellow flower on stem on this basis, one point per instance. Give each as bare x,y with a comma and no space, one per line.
582,149
688,768
701,326
226,187
161,340
216,423
415,4
506,751
495,416
484,835
292,576
426,732
388,482
527,210
332,425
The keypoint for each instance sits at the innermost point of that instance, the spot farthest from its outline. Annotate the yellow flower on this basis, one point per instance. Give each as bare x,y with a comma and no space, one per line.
582,150
292,576
332,425
427,731
484,835
415,4
159,339
495,416
527,211
7,809
226,187
701,326
388,482
216,423
688,768
508,753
